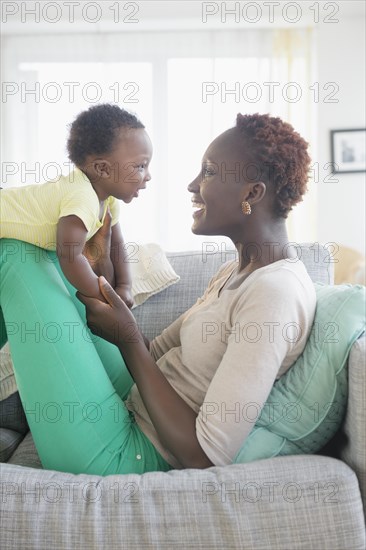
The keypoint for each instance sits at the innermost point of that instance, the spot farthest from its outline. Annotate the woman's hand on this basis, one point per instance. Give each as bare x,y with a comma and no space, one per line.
97,250
112,321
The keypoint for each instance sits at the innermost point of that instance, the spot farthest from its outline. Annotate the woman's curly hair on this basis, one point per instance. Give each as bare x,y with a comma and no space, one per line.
93,131
279,155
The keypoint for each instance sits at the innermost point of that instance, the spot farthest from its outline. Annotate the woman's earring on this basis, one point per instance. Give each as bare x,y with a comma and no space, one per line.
246,209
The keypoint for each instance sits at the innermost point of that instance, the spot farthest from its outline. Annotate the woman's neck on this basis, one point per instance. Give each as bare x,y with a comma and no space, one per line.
264,246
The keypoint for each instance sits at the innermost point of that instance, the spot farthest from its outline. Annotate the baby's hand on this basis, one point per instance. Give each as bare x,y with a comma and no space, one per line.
124,292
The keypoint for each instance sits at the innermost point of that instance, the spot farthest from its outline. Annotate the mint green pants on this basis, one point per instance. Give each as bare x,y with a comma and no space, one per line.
72,384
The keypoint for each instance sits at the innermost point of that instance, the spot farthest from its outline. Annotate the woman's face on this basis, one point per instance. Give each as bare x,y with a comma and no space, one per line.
219,188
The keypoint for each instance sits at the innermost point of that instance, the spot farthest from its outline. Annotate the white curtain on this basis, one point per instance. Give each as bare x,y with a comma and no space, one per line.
186,87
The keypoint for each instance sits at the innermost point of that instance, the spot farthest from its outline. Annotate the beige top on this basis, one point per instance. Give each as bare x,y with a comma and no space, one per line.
224,354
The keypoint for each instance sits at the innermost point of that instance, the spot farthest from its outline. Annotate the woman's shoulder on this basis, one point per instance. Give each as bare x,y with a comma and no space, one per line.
281,268
285,281
279,282
292,272
281,293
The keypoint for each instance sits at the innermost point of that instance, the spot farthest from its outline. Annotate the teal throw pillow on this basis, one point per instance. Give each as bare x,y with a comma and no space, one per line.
306,406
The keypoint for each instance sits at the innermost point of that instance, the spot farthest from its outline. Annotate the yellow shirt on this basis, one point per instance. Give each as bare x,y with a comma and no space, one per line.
31,213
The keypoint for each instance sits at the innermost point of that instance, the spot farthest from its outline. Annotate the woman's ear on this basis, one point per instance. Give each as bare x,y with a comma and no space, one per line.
255,192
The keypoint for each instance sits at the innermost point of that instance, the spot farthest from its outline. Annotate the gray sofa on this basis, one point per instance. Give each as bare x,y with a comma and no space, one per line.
309,501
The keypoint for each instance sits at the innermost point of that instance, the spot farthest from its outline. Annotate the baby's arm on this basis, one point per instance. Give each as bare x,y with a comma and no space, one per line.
121,267
71,237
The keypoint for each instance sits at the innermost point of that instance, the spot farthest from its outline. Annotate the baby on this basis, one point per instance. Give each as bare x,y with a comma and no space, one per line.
111,152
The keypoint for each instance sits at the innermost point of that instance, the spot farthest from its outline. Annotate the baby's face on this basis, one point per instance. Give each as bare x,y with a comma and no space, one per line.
129,162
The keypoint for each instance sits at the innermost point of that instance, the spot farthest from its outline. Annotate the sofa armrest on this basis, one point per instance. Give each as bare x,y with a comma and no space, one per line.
354,450
286,502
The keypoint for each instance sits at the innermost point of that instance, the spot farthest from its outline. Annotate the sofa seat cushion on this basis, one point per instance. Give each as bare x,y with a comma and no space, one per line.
284,503
307,405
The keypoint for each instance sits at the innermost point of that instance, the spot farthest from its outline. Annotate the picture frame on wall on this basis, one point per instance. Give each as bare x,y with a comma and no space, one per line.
348,148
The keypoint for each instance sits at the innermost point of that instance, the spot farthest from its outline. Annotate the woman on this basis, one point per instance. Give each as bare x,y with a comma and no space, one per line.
193,384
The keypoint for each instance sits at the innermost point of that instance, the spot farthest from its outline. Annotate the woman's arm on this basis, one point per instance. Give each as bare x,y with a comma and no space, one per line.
121,268
173,419
71,237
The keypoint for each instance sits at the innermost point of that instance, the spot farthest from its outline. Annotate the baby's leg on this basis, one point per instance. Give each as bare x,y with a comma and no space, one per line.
78,421
108,353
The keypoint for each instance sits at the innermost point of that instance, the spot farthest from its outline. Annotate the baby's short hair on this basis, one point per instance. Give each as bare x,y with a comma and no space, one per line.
93,131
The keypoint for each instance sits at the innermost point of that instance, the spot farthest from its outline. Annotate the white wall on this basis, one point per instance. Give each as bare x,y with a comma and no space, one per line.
341,59
341,56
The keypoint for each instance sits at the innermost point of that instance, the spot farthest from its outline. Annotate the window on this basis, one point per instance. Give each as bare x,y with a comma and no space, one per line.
186,88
